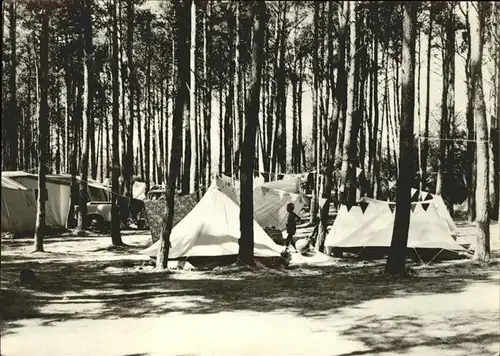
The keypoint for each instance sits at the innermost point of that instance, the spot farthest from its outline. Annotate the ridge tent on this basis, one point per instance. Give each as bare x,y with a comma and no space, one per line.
212,229
370,224
58,202
18,207
439,204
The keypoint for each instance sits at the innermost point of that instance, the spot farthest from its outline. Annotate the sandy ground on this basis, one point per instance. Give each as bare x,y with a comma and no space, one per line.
93,300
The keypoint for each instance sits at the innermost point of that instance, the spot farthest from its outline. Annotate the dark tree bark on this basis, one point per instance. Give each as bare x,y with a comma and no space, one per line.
425,147
86,24
181,108
43,127
396,259
246,241
207,98
221,129
128,161
116,238
12,124
192,155
445,161
315,134
477,28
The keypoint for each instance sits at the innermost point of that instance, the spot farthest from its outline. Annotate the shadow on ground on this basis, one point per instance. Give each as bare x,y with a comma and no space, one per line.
119,290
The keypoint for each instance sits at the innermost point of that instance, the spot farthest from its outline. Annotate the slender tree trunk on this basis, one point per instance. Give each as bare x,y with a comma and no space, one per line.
86,113
330,152
425,147
237,121
12,124
207,105
396,259
349,145
221,129
376,141
128,159
193,154
315,60
477,27
116,238
180,109
300,144
148,117
246,241
43,127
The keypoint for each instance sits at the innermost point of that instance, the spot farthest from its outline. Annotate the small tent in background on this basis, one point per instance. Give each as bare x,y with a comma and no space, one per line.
370,224
58,193
18,207
97,192
212,229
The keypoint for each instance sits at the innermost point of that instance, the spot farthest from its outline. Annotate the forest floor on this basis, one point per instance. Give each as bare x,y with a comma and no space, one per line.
94,300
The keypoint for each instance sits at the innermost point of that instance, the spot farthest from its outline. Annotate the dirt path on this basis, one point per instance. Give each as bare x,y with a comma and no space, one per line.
91,300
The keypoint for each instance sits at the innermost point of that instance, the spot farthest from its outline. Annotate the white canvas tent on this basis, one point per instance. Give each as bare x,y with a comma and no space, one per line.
58,196
440,207
18,207
269,204
373,227
212,229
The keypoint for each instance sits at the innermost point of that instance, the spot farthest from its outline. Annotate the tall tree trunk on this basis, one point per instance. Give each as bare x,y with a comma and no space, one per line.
193,156
221,129
237,121
207,92
376,142
12,124
300,150
180,109
116,238
86,24
43,127
349,145
246,241
425,147
148,116
315,60
477,28
128,159
330,151
396,259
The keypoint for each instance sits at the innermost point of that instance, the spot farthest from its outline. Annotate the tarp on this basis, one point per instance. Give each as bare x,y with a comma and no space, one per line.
156,209
58,197
371,222
269,204
18,207
139,190
212,228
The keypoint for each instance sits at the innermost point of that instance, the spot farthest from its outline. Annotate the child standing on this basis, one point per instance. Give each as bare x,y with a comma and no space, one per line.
291,224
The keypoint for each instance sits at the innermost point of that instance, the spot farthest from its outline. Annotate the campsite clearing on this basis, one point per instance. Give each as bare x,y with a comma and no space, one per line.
100,302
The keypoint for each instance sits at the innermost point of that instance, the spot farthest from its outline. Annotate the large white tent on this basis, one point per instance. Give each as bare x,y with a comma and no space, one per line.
18,207
370,224
212,229
58,196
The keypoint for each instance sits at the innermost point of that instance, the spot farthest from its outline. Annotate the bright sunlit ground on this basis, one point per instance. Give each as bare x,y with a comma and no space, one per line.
92,300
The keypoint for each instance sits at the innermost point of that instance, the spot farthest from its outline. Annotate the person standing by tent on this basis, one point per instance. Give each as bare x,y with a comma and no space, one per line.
291,225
